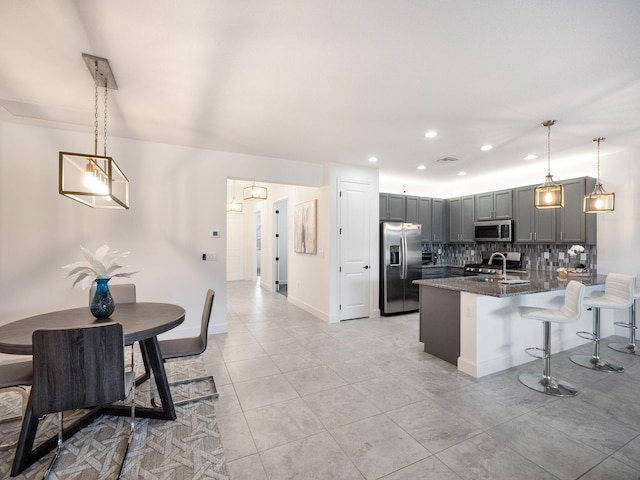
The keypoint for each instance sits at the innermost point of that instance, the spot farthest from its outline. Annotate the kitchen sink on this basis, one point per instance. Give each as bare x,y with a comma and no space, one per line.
498,279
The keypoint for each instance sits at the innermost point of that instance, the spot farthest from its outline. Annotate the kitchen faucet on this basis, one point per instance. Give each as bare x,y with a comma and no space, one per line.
504,263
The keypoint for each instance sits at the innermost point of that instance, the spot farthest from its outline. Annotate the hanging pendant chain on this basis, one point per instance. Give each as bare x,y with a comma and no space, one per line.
105,119
549,150
598,160
95,137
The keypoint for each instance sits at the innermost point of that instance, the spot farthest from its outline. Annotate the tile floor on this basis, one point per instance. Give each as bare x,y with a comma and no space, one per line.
300,398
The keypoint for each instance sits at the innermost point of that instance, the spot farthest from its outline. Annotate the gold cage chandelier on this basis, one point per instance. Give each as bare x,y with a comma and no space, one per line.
599,201
95,180
550,194
233,205
254,192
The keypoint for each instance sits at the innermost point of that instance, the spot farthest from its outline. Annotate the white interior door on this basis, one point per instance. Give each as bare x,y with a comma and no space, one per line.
355,271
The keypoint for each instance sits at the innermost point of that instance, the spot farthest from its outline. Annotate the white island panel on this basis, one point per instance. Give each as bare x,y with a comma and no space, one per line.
493,336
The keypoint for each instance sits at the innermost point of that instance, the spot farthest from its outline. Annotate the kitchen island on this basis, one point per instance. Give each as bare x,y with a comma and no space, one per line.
473,322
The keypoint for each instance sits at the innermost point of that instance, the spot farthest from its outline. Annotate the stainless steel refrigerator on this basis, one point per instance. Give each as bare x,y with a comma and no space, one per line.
401,264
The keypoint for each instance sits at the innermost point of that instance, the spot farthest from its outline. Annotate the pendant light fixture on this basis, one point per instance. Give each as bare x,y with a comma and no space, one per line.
255,192
550,194
95,180
599,200
234,206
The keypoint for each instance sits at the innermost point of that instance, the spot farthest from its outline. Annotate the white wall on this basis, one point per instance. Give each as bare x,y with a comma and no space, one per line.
178,196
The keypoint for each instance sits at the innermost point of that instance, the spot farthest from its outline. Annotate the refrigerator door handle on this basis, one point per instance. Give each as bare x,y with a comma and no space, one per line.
403,258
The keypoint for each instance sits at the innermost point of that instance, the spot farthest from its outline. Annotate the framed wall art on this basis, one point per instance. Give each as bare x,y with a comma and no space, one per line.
304,225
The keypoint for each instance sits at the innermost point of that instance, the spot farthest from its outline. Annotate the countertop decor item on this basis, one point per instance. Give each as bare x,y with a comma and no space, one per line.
574,253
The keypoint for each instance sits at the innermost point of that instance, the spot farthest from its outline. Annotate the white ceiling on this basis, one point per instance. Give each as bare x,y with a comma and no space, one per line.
337,80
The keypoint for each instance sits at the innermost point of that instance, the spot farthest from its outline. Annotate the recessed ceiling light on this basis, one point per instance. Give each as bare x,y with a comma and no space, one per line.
486,148
462,174
421,167
531,157
373,159
431,134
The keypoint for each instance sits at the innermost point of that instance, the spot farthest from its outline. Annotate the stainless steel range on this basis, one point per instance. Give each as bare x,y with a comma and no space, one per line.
515,264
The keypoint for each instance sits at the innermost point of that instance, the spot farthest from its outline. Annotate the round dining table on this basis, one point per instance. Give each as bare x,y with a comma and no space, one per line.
141,322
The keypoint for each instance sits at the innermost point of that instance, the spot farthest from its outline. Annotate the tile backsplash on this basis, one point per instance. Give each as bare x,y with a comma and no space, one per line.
534,254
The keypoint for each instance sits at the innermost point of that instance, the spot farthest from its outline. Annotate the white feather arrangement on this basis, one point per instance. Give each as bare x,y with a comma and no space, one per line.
102,264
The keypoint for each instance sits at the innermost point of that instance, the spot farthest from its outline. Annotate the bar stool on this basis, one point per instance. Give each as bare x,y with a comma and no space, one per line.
569,312
618,294
631,347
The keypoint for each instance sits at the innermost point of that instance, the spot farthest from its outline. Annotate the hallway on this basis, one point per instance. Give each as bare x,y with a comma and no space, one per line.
300,398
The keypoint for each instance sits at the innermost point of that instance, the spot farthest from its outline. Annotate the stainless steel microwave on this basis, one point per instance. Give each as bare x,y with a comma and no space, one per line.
493,231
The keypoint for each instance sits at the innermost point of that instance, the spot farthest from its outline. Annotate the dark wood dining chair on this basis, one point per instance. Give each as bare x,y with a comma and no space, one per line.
79,368
14,377
121,292
191,347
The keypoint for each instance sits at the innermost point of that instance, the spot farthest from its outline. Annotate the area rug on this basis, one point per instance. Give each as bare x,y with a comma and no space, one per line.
188,448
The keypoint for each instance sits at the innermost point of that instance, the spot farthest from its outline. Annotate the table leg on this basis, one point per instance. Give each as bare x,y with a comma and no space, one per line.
151,351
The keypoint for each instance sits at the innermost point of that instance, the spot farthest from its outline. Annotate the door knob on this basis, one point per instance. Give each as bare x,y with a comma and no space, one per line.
366,267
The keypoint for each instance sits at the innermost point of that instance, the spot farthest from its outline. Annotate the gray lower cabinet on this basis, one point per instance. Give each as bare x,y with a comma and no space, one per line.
461,218
532,225
440,322
434,272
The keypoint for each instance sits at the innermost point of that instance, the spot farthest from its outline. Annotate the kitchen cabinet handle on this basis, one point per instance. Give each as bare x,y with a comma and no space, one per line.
535,236
530,235
560,236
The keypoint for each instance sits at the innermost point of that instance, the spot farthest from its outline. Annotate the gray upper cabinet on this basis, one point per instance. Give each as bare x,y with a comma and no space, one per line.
438,221
461,218
431,216
428,212
411,210
575,226
424,217
532,225
392,207
494,205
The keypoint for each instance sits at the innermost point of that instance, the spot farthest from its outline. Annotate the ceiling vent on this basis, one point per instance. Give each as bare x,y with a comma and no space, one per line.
447,160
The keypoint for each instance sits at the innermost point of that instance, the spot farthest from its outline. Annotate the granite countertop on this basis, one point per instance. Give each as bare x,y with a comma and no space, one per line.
442,265
539,281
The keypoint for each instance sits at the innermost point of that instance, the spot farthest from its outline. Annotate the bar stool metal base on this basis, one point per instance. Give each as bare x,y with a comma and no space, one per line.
628,348
596,363
552,386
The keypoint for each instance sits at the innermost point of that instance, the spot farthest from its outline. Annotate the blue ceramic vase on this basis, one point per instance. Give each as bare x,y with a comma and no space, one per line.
102,305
